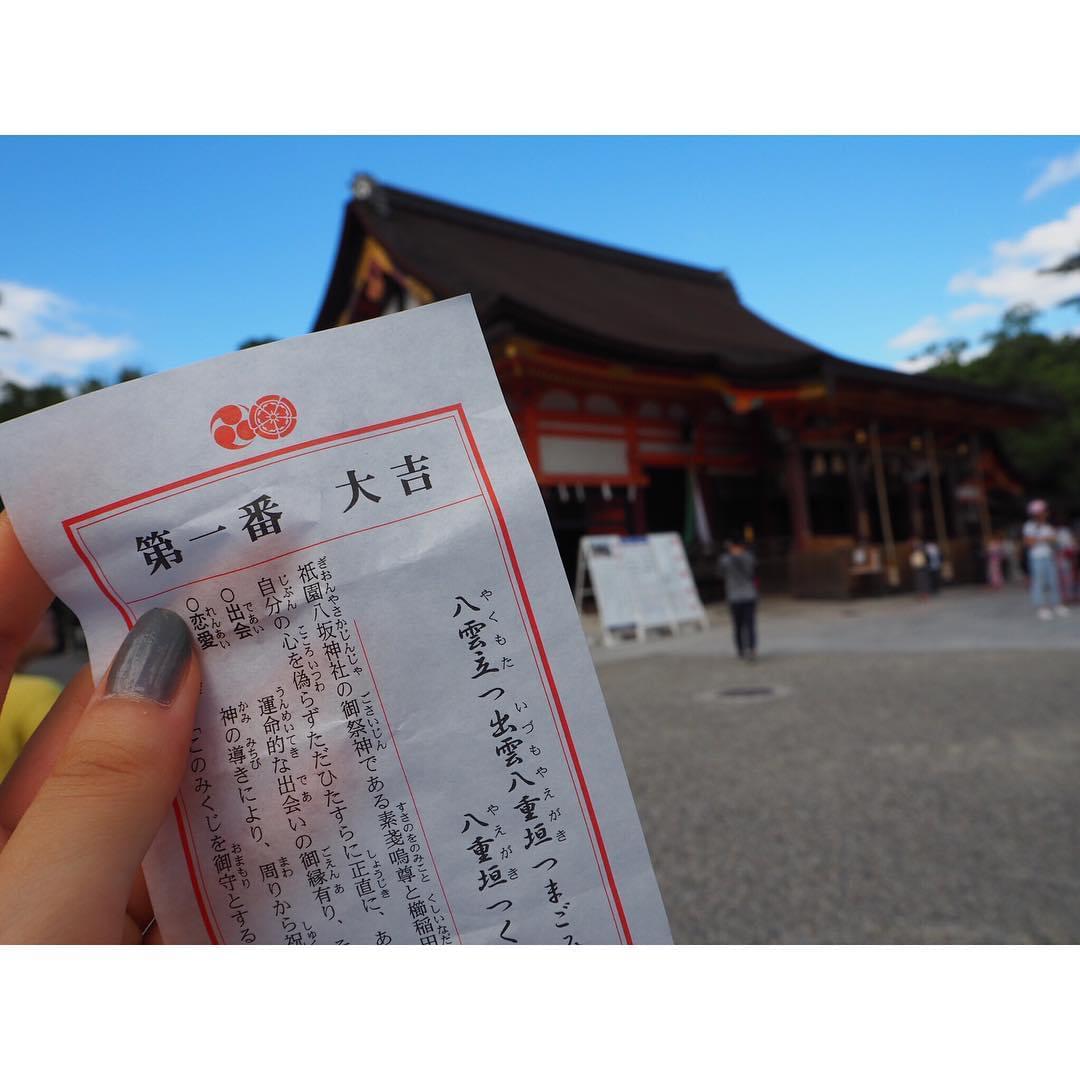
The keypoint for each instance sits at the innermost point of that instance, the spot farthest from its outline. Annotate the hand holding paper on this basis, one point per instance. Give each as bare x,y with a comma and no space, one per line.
400,737
81,806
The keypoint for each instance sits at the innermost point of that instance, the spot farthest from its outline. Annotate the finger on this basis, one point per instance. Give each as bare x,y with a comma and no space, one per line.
26,597
132,933
40,754
140,927
37,761
139,906
76,850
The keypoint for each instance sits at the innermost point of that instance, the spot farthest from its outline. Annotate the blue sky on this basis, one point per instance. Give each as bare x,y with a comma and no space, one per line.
155,252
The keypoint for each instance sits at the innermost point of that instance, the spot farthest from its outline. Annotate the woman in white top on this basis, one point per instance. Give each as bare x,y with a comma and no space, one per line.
1040,539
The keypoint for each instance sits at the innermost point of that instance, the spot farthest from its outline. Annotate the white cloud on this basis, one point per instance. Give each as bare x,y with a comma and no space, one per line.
47,340
1060,171
1014,276
1015,284
916,364
1051,241
923,332
971,311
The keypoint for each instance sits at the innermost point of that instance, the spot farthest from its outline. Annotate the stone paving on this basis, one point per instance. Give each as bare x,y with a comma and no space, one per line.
889,771
960,619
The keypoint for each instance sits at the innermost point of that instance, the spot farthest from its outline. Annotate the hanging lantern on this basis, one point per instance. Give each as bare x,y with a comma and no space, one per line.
839,465
818,466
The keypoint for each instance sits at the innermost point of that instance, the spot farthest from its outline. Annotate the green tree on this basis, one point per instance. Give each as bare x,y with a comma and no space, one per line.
251,342
949,352
1024,361
17,400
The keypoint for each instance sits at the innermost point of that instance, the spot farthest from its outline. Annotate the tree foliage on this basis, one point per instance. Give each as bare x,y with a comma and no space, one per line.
17,400
1024,361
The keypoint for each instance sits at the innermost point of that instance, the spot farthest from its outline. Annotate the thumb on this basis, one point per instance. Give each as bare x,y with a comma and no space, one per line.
67,869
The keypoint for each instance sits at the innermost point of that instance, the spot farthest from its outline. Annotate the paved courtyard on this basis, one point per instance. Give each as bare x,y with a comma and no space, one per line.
889,771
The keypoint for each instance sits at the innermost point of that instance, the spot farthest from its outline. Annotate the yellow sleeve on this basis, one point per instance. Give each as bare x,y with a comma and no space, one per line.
29,698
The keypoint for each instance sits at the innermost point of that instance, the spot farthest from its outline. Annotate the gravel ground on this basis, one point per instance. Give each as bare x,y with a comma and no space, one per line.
875,797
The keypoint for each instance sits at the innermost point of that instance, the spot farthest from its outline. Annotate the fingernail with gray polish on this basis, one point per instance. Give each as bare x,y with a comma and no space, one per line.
153,658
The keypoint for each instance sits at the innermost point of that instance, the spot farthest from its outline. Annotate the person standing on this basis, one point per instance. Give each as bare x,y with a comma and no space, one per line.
933,564
1014,573
740,590
920,568
1040,540
995,553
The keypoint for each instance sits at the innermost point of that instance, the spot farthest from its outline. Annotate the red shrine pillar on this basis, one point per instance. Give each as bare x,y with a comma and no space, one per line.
914,496
860,514
798,504
529,436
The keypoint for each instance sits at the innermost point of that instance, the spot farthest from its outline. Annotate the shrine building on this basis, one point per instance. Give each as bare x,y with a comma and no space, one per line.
650,399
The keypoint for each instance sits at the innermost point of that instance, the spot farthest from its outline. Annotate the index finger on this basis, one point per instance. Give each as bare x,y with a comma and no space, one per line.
25,598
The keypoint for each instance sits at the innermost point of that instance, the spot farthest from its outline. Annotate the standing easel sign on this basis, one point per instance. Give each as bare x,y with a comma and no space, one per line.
640,583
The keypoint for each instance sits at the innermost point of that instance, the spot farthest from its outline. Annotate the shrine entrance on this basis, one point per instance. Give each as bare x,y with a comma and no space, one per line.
665,500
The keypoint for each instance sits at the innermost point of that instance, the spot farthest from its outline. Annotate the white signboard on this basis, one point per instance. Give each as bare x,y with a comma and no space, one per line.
639,582
674,570
349,525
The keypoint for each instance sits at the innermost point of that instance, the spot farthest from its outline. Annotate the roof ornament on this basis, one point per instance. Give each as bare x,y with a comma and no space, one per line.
365,188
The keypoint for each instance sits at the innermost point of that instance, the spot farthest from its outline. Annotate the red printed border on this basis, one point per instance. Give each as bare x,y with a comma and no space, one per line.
70,526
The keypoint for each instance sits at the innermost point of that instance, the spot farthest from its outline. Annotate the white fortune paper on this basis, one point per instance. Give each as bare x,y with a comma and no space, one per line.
401,737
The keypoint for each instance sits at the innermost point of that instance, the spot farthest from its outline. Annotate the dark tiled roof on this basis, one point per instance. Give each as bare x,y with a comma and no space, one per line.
566,290
591,297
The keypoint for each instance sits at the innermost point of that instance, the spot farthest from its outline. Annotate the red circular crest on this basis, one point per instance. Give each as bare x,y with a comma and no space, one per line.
230,429
272,416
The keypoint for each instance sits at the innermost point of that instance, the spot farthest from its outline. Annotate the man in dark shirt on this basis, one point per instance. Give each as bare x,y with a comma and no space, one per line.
737,564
